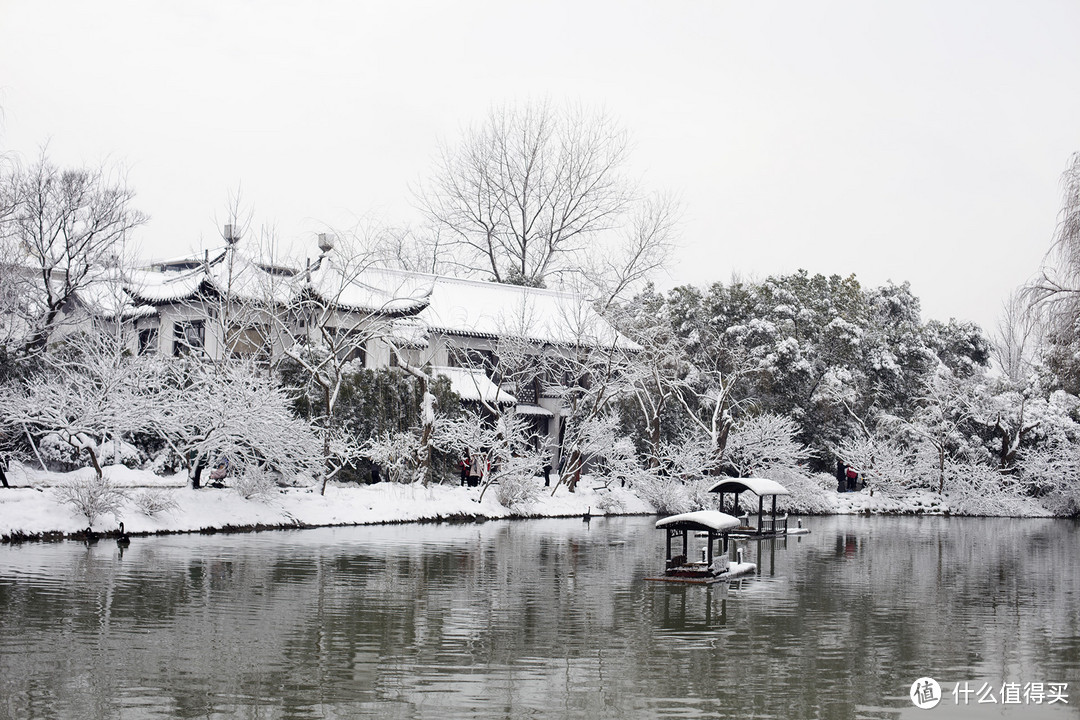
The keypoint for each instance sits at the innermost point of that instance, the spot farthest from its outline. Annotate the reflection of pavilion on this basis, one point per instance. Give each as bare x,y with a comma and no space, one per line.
684,609
761,550
767,525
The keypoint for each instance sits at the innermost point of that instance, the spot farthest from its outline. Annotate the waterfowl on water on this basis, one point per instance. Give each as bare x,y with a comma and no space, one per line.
124,539
90,536
587,516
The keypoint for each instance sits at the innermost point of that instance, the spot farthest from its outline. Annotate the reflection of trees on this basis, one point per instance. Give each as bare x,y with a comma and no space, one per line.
538,617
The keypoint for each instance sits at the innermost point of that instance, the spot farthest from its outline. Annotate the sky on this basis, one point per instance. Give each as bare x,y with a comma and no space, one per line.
918,141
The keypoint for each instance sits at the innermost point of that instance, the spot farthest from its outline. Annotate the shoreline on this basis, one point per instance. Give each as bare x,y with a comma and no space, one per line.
31,512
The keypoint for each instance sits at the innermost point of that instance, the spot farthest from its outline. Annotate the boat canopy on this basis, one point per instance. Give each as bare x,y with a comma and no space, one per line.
704,520
758,486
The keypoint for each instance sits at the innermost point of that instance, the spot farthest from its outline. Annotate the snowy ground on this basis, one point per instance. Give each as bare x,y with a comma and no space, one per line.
924,502
31,507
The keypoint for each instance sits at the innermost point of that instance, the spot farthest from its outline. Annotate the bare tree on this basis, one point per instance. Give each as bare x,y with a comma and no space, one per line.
619,266
64,225
1018,337
525,193
1062,277
1055,294
1014,347
405,248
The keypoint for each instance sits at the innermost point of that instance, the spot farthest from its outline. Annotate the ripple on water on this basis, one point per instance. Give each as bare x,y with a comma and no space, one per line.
531,619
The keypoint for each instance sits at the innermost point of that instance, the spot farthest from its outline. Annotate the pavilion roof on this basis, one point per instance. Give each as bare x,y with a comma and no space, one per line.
704,520
758,486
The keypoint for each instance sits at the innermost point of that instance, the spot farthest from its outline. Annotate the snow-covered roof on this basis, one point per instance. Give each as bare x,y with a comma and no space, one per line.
758,486
103,295
232,272
155,287
441,304
699,520
527,409
487,309
408,333
474,385
370,289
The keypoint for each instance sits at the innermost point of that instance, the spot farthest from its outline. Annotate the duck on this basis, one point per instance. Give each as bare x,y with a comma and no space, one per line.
124,539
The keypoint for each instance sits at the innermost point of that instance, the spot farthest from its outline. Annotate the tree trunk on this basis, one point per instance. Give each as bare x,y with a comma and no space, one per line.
941,470
654,442
427,419
574,466
327,426
94,461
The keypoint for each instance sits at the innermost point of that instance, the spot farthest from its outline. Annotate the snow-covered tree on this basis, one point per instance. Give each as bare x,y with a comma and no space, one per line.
327,329
883,461
941,419
654,375
232,410
91,394
504,446
762,443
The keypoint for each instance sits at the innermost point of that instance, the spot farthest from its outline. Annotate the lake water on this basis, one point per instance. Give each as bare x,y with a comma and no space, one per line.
541,619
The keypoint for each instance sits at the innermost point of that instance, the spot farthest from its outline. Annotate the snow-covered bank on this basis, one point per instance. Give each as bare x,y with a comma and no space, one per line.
924,502
32,508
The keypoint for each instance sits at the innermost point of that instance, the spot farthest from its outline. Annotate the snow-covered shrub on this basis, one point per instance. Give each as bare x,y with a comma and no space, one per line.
517,493
118,452
395,453
254,484
166,462
610,504
668,496
91,496
883,463
154,502
697,490
982,489
59,455
690,456
809,495
1052,475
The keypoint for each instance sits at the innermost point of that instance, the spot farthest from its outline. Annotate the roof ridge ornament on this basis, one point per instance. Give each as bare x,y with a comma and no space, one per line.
231,234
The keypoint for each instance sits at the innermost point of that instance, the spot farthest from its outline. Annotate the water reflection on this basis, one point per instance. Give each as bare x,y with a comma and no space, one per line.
536,619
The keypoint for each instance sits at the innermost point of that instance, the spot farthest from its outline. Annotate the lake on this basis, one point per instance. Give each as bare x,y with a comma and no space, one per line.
544,619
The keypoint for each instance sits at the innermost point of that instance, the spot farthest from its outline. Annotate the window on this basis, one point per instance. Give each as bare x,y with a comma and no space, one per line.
249,342
148,341
188,338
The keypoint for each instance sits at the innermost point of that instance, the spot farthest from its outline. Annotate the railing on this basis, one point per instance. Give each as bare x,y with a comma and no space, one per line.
770,525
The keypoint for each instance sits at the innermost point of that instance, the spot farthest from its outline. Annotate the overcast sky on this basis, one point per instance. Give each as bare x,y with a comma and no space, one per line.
917,140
